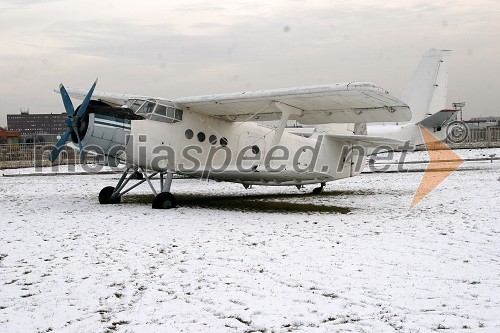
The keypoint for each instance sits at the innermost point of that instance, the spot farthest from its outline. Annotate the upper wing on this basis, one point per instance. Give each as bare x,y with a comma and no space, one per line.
115,99
340,103
355,102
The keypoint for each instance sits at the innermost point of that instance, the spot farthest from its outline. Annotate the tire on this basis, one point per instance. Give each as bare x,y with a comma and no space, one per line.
318,190
164,200
105,196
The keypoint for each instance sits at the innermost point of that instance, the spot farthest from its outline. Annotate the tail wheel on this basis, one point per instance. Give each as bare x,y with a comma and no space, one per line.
318,190
105,196
164,200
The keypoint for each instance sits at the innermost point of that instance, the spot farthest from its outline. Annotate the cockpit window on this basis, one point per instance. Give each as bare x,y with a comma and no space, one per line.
134,104
148,107
161,110
158,110
166,114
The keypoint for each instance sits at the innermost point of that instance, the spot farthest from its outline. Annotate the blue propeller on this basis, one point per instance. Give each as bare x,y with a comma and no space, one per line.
72,121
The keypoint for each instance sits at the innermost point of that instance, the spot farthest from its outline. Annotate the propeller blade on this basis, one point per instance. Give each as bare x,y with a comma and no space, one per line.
59,146
82,153
68,105
86,101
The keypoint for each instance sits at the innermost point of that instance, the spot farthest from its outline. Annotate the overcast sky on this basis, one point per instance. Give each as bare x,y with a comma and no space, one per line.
182,48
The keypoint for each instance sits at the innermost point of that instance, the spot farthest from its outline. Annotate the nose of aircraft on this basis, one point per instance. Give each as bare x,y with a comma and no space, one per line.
73,122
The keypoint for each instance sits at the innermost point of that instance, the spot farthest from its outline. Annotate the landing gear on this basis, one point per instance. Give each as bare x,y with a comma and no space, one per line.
319,190
137,175
106,196
163,200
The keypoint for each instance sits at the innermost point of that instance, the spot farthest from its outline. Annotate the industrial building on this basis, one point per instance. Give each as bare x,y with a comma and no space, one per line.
37,124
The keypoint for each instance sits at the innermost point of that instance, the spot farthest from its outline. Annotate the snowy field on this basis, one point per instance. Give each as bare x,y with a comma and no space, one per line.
354,259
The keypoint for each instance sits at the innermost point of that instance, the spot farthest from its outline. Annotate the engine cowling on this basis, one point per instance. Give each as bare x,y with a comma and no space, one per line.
104,130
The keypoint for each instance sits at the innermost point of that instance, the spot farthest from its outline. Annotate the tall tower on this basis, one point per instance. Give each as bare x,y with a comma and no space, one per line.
458,107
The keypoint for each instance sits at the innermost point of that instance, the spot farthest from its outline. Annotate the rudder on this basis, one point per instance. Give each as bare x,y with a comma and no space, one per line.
425,93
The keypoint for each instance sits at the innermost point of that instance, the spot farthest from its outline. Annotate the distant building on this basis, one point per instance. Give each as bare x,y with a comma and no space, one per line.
490,119
9,137
36,124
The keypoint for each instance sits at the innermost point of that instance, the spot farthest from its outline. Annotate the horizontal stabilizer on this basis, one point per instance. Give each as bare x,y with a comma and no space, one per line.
367,140
301,131
438,119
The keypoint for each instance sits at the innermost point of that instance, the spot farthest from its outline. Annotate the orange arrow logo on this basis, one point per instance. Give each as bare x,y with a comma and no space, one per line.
442,162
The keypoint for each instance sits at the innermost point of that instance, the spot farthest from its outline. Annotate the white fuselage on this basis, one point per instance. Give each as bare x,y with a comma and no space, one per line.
408,132
196,146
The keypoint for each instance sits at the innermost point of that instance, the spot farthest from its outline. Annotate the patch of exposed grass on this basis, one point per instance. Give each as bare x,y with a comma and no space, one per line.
241,320
331,295
115,324
331,318
267,203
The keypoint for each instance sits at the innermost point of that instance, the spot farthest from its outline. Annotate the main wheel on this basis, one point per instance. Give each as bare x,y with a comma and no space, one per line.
164,200
105,196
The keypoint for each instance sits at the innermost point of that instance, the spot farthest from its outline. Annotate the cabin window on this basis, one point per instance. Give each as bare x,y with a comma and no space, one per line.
178,115
189,134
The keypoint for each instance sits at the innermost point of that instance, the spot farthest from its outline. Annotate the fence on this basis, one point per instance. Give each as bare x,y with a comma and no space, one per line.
29,154
487,134
486,137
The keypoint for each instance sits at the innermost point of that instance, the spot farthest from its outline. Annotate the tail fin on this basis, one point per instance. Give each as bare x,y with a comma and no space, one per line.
426,91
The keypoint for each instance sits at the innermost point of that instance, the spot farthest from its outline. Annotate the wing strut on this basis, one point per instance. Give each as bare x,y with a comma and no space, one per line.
286,112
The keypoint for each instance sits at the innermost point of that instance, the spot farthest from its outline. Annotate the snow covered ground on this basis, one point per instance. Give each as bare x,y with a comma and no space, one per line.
68,264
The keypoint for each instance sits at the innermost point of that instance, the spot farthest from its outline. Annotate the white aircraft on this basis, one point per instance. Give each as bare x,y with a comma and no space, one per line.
217,136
